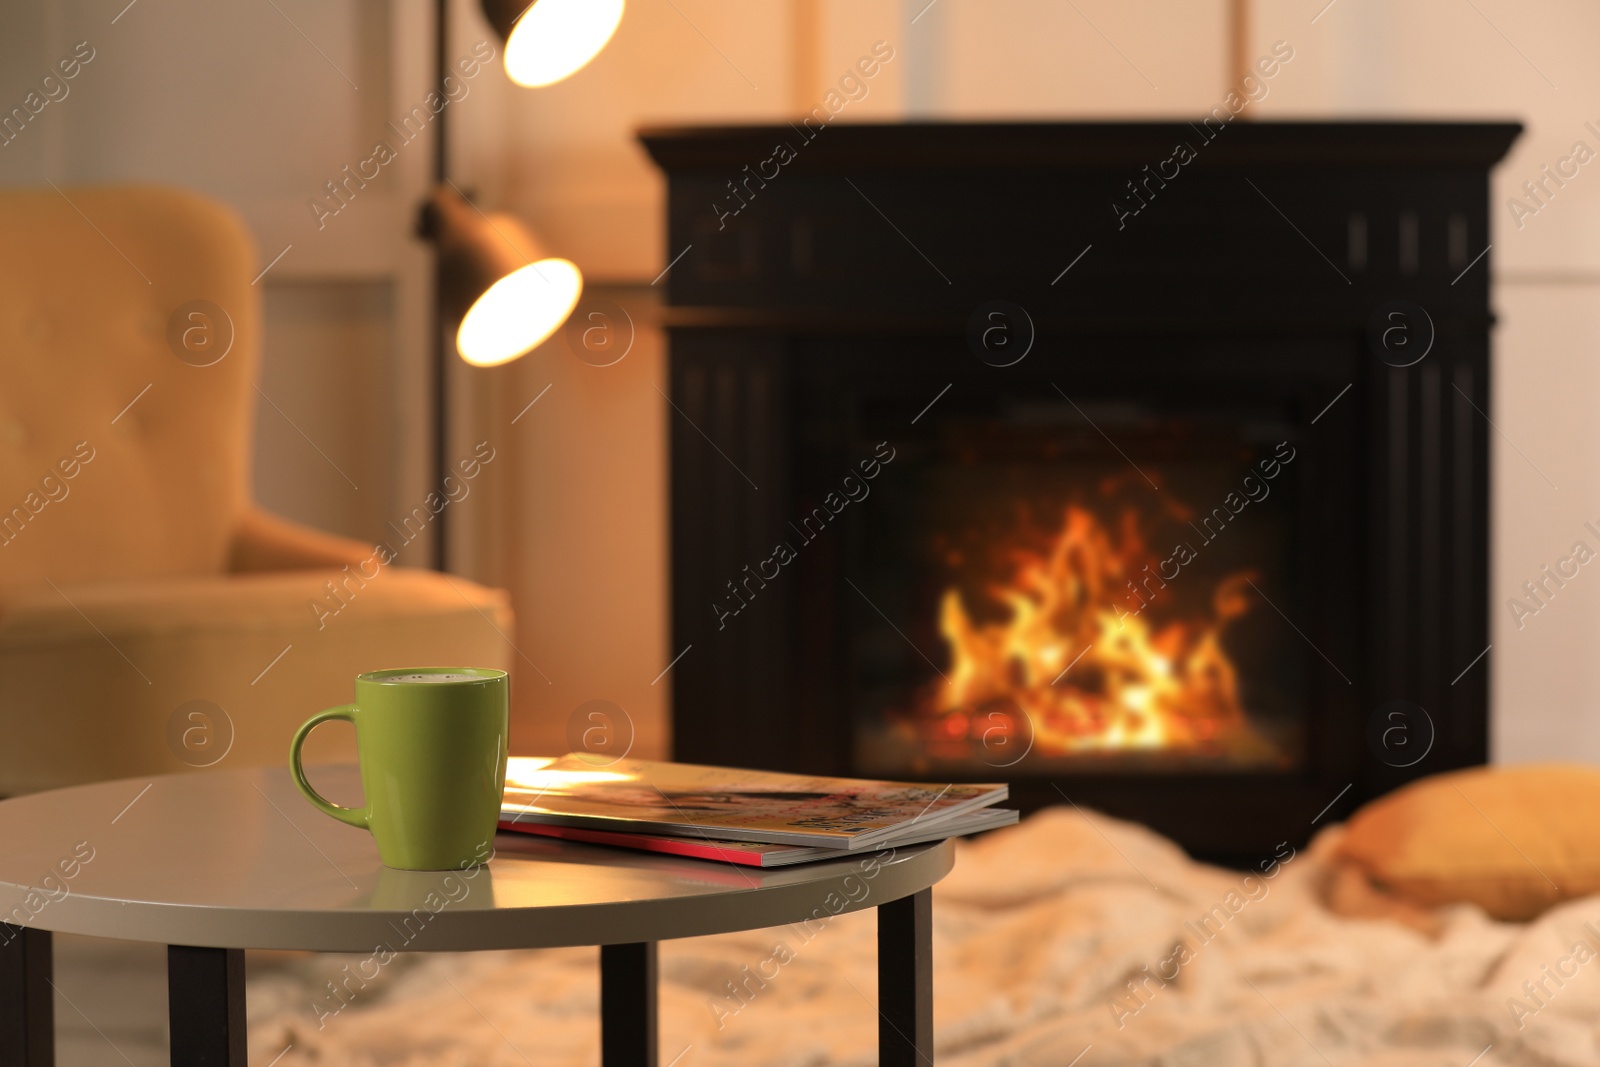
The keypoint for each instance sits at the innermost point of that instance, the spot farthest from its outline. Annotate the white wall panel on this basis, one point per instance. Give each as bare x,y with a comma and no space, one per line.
1546,683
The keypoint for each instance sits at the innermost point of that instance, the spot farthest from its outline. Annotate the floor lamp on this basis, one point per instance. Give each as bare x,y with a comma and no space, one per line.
492,280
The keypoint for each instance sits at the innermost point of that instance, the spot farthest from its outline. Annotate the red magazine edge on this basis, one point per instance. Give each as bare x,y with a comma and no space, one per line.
706,850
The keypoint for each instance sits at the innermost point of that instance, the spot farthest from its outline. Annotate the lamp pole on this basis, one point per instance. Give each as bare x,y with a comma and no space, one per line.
478,262
438,344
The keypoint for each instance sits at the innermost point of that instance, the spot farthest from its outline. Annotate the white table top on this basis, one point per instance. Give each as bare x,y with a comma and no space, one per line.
238,859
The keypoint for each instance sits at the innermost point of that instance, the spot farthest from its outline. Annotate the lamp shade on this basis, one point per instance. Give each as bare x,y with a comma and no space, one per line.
495,280
549,39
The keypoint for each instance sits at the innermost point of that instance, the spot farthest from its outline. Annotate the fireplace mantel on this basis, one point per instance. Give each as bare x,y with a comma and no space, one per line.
909,226
1082,145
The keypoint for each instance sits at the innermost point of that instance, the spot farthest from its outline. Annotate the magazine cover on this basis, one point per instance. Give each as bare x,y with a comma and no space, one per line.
726,804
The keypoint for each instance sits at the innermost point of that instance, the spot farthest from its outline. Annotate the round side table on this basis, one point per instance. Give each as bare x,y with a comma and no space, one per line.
217,862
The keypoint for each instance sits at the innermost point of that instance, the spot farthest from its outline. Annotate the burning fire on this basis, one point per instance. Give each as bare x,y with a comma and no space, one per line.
1080,660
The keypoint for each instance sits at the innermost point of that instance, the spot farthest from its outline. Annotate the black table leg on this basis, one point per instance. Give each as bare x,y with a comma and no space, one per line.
27,1003
205,1003
905,981
628,1005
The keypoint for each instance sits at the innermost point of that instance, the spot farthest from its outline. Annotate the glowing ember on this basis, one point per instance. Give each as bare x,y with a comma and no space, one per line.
1084,664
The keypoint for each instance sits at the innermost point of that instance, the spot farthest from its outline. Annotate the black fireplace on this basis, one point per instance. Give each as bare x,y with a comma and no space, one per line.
1025,453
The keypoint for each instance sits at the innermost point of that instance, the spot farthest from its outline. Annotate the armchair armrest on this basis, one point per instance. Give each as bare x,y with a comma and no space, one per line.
264,542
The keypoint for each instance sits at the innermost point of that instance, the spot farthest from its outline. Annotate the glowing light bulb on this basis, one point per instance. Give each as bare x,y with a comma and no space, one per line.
518,312
555,38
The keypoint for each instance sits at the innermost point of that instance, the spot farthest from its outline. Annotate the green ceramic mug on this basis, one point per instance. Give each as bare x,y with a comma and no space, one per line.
432,747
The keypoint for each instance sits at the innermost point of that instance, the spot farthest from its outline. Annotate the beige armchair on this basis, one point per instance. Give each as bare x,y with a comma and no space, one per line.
152,619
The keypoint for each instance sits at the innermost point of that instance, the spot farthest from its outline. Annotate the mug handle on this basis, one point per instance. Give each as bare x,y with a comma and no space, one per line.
353,816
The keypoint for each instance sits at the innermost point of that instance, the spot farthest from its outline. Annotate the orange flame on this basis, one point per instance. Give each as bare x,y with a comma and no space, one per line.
1088,668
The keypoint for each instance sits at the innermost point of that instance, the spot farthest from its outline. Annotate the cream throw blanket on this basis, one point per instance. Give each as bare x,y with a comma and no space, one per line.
1072,931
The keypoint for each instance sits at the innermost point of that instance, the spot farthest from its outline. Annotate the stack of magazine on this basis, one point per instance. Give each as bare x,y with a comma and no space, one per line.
752,818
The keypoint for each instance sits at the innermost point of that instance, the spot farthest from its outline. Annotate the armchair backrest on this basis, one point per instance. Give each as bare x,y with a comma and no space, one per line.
122,455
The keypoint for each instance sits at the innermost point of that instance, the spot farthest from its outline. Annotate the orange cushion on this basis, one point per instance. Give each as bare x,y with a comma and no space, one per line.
1513,840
